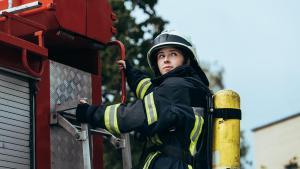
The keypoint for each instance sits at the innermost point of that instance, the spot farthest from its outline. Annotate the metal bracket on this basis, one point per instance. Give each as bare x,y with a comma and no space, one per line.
65,112
64,123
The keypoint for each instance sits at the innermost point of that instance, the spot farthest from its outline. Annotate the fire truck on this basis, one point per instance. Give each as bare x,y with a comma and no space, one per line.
49,54
49,59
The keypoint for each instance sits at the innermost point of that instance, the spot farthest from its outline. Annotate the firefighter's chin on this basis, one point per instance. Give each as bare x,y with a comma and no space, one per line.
166,69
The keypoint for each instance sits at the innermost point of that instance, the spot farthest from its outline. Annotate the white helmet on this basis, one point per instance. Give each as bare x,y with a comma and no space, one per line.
174,39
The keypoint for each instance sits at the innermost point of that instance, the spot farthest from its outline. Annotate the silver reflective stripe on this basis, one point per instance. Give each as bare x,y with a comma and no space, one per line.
142,87
197,133
150,108
198,112
110,118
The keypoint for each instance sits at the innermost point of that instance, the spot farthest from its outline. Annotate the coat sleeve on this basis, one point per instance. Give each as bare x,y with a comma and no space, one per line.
155,113
138,81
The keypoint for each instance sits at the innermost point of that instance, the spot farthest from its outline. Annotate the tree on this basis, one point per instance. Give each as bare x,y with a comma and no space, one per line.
137,40
292,164
135,36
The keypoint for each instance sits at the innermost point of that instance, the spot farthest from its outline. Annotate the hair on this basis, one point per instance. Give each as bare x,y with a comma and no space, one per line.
186,54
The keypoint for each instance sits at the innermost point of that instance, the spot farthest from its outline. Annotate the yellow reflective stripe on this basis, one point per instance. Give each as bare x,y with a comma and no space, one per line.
190,167
194,136
142,87
149,159
145,88
150,108
110,118
153,107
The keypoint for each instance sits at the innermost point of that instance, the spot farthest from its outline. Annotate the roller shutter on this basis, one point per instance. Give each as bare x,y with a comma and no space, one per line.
15,122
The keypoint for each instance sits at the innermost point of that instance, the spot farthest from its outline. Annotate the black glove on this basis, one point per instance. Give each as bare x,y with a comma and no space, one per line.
81,112
129,67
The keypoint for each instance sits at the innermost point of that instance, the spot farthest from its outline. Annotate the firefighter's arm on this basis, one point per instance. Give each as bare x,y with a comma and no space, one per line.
155,112
138,81
117,118
140,115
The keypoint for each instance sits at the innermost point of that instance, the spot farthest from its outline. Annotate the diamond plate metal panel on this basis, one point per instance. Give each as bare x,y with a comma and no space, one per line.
67,83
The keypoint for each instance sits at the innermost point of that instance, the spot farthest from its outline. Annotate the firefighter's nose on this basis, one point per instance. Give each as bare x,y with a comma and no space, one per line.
166,59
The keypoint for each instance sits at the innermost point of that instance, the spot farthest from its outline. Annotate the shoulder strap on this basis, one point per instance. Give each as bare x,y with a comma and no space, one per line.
203,157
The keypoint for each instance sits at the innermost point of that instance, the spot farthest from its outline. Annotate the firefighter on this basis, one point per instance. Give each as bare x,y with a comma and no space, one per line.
169,109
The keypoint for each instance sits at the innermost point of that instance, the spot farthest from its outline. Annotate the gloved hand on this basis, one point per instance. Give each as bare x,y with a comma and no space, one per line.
81,112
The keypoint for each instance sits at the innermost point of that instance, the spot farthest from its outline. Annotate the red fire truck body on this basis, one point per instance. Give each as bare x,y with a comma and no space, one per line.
49,54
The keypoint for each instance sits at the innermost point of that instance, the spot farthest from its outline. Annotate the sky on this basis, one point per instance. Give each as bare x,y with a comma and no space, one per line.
257,42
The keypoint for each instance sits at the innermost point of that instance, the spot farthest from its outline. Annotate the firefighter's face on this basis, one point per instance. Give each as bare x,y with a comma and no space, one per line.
169,58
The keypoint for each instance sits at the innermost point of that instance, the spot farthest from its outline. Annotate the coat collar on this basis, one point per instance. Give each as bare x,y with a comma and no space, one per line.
182,71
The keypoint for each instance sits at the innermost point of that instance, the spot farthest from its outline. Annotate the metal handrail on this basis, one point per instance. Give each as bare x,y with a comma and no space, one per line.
126,151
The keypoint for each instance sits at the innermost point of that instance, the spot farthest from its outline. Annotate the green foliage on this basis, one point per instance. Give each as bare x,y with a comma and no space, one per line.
292,164
137,40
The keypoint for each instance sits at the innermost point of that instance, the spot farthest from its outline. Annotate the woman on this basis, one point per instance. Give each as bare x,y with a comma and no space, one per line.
169,108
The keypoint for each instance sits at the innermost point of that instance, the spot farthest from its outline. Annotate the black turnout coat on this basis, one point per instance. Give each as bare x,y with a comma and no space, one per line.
168,112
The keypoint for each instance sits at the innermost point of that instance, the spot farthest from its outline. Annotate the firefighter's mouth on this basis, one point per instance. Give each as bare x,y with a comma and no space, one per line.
167,67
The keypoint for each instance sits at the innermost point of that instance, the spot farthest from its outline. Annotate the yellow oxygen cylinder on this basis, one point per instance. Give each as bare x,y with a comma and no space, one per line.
226,130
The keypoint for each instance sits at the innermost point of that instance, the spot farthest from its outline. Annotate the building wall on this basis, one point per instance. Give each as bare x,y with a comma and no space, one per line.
277,144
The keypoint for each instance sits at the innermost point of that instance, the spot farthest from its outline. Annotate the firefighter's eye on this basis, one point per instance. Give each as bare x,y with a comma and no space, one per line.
174,54
160,56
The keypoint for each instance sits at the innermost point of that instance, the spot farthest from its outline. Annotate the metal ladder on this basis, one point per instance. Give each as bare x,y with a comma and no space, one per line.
65,115
66,112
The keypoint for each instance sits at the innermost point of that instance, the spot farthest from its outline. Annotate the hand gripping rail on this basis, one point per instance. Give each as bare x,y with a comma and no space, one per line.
64,116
